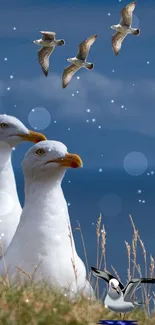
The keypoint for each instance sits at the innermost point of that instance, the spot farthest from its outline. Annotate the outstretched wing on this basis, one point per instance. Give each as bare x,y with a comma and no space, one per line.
126,14
105,275
132,285
117,40
43,57
48,36
68,74
84,47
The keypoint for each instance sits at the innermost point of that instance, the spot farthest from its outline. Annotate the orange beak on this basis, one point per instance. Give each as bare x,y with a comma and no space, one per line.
33,136
69,160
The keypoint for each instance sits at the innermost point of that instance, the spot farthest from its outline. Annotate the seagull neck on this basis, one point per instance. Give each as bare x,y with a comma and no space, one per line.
7,179
42,189
113,293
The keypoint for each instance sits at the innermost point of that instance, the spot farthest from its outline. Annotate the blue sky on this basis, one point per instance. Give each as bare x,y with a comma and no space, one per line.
111,116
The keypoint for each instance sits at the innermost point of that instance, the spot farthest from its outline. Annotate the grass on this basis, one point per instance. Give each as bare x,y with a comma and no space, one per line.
39,304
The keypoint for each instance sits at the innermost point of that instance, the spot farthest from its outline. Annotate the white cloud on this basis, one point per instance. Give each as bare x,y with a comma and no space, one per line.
95,93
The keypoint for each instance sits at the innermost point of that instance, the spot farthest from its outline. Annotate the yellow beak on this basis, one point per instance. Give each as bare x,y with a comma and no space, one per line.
69,160
117,290
33,136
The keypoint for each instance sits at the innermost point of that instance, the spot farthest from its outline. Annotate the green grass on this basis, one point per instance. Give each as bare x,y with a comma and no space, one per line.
40,304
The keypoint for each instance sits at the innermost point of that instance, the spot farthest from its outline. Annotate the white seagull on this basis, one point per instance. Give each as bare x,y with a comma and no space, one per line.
48,43
124,27
12,132
44,241
79,61
120,298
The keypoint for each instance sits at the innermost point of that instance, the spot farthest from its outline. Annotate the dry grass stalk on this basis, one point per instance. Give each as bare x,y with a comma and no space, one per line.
23,272
134,245
4,262
72,258
116,274
103,244
144,254
98,233
128,247
84,249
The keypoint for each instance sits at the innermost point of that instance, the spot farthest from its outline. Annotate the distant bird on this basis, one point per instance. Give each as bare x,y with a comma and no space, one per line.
12,132
124,27
119,298
79,61
44,236
48,43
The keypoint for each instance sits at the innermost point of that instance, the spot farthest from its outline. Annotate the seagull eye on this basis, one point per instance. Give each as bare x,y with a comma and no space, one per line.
3,125
40,152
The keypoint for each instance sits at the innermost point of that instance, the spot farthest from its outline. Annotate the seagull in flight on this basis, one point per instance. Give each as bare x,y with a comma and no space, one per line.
124,27
119,297
48,44
79,61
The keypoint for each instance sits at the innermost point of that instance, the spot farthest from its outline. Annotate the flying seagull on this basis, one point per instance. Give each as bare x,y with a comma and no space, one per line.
119,297
79,61
124,27
44,167
12,133
48,43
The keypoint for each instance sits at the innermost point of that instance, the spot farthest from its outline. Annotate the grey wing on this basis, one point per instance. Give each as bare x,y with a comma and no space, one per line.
117,40
43,57
126,14
48,36
105,275
84,47
130,289
68,74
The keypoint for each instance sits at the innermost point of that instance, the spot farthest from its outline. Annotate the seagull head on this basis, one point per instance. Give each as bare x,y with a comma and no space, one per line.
13,131
114,287
49,159
35,42
115,27
70,60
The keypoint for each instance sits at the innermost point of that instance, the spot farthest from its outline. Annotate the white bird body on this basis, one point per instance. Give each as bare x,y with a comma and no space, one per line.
12,132
125,30
78,62
45,43
120,305
10,208
44,236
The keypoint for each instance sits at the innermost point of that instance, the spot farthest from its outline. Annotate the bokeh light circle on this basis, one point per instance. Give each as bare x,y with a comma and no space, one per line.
6,202
39,118
110,205
135,163
135,21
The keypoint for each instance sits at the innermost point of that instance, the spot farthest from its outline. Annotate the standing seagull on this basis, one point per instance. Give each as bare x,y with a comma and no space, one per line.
79,61
12,133
48,43
124,27
44,237
119,297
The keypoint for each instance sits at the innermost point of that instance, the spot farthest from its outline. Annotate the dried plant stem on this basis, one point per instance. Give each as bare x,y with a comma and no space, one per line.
73,257
134,245
84,249
116,274
4,262
103,244
98,227
128,247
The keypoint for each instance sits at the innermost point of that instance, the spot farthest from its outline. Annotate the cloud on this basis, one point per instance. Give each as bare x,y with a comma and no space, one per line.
95,93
